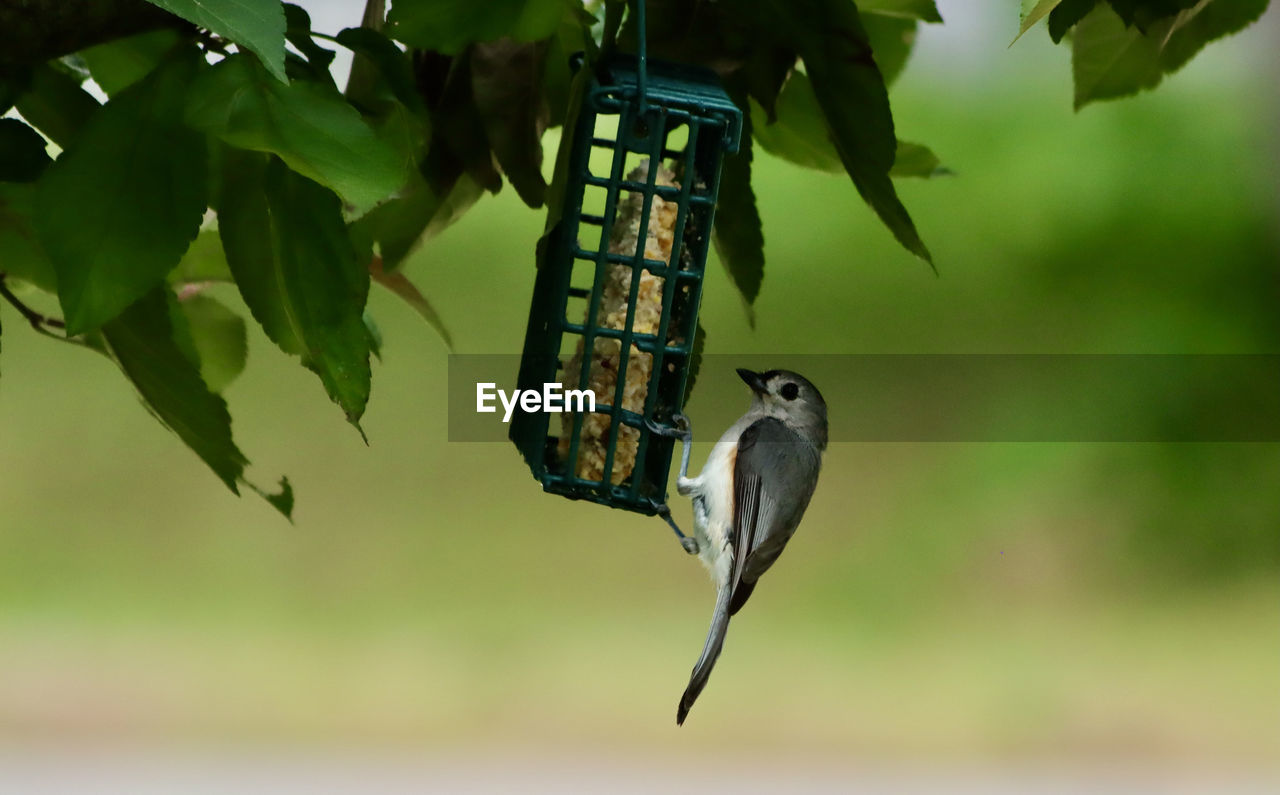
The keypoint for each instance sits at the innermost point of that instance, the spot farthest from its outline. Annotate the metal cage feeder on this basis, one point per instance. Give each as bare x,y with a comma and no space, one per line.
615,318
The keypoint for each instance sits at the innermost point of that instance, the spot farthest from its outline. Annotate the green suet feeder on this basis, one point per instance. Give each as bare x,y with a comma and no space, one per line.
614,309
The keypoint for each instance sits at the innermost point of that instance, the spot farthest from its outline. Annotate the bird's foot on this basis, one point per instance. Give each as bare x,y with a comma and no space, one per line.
689,543
683,429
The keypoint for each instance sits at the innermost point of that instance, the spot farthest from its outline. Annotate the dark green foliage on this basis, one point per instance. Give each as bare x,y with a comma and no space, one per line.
506,80
393,68
22,152
1144,13
1113,58
141,340
829,38
116,211
256,25
1121,47
297,32
318,194
297,271
1066,15
55,104
119,64
450,25
891,40
307,125
21,254
736,231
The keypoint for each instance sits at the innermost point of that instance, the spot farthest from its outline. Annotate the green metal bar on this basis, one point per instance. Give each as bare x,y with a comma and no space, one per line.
695,300
657,139
597,289
637,264
642,58
669,287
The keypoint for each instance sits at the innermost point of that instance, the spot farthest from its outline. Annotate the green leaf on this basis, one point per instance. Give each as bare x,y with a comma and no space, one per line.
21,254
282,502
399,284
1067,15
406,132
56,105
765,72
117,210
420,213
736,230
374,334
916,160
1110,60
119,64
219,337
891,41
695,361
309,126
572,36
298,33
382,86
1145,13
393,66
296,269
850,90
256,25
1194,28
800,134
557,190
13,84
1037,12
923,10
141,341
450,25
459,129
506,80
22,152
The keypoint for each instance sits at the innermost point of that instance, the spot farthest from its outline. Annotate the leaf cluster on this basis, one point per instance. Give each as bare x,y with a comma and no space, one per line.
1121,47
225,152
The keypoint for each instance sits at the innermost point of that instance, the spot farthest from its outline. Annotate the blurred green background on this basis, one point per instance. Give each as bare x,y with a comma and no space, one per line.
941,601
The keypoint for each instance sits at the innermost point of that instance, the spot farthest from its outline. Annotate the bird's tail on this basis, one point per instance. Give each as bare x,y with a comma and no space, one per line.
710,651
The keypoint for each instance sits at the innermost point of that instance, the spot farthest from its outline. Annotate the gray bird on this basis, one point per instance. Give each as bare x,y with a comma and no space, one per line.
750,496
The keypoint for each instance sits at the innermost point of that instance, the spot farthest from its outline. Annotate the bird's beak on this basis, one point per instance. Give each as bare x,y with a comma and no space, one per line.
753,380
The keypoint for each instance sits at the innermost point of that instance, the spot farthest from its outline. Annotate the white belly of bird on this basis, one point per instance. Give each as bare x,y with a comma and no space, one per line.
713,520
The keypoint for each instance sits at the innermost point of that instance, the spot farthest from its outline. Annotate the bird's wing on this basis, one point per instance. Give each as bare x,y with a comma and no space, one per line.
773,478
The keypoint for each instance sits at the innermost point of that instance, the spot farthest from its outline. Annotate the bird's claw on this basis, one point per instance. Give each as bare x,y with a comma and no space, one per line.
689,543
682,429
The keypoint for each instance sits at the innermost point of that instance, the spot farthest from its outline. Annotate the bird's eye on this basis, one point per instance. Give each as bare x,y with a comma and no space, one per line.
790,391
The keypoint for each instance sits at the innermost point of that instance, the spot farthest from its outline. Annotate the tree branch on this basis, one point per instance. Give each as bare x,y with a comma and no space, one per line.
38,321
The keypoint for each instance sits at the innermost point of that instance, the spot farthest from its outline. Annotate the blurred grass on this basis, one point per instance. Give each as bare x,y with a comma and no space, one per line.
944,599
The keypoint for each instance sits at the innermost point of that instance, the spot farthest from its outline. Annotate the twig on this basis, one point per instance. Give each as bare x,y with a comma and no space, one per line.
39,322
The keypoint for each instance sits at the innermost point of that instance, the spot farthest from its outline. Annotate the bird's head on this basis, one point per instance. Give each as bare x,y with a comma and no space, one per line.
791,398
